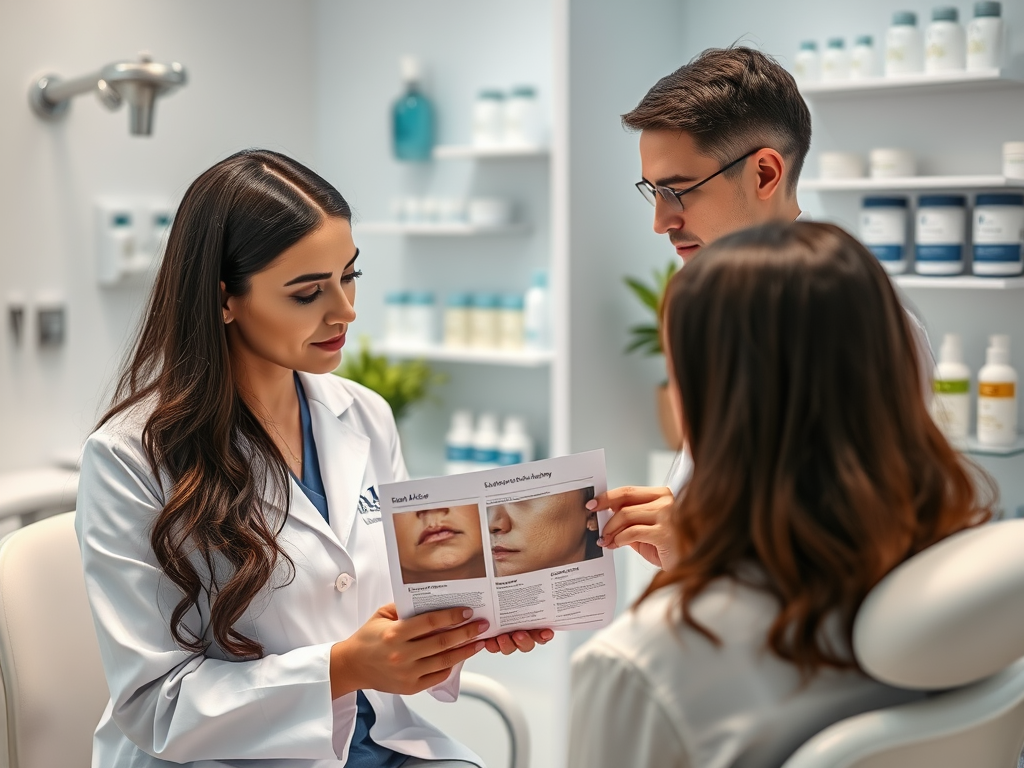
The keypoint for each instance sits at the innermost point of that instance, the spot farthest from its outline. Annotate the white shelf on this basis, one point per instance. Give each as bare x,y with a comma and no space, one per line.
948,81
973,446
517,358
459,151
436,230
910,183
959,281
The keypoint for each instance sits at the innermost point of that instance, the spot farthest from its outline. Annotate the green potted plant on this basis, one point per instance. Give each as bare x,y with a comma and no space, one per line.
646,340
402,383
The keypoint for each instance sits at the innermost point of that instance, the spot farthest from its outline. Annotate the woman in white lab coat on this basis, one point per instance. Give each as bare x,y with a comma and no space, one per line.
816,470
228,509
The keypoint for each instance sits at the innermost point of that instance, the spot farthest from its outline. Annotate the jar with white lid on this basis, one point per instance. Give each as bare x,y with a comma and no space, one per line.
807,66
998,234
421,318
883,229
840,165
904,49
456,320
523,125
985,37
488,118
483,321
944,41
395,305
888,163
863,62
1013,159
940,234
835,63
510,322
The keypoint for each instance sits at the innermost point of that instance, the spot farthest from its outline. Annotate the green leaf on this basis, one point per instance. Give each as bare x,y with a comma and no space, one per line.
647,338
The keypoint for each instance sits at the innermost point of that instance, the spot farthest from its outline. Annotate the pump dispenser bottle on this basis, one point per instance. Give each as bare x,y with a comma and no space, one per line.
412,116
997,395
459,444
951,405
515,446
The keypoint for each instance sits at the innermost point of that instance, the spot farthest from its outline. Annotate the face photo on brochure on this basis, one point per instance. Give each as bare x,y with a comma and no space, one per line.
440,544
542,533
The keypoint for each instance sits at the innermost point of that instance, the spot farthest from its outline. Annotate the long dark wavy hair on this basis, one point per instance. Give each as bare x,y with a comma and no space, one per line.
815,458
234,220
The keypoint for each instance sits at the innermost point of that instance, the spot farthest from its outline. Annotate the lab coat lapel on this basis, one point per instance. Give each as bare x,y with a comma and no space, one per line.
344,451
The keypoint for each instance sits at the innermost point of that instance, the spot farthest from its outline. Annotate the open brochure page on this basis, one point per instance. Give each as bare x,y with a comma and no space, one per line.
516,544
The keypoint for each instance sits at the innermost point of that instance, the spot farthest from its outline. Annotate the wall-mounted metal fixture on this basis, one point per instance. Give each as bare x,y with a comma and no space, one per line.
137,82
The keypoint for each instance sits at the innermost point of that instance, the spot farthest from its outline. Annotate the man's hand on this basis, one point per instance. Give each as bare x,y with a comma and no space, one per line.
520,640
641,520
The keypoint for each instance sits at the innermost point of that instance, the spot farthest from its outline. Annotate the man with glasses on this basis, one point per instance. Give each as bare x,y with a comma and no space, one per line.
722,143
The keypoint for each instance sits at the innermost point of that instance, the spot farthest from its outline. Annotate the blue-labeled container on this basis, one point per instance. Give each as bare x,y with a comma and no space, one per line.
998,234
395,323
412,117
456,319
940,234
883,229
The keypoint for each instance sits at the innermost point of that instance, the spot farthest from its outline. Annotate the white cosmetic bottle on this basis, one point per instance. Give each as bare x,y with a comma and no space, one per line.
537,314
485,442
459,444
997,395
951,405
515,446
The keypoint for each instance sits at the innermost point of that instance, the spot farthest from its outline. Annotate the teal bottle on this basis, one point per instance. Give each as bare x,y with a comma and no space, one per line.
412,117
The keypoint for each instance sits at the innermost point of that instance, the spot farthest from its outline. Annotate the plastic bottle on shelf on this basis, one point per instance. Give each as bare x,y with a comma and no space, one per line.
395,324
515,445
412,116
510,322
483,321
940,234
485,442
951,404
883,229
456,320
421,318
488,118
985,37
458,446
835,63
904,51
863,62
522,124
997,395
945,42
537,313
807,66
998,234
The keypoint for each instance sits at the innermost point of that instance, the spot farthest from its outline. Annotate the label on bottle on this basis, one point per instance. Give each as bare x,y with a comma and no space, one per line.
940,234
997,389
952,413
952,386
485,455
459,453
507,458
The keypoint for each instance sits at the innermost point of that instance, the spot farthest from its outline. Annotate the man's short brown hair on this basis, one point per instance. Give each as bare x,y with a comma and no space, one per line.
731,101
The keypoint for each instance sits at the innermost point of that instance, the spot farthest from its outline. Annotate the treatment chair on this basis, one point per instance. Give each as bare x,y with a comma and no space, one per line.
949,620
53,689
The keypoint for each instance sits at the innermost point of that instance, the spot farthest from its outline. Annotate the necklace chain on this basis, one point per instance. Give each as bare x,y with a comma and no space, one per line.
296,459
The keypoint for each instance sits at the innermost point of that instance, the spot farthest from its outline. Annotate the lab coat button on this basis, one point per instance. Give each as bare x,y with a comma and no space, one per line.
343,582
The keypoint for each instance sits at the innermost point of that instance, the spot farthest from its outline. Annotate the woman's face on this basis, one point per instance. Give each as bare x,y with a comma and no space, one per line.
298,308
542,533
438,544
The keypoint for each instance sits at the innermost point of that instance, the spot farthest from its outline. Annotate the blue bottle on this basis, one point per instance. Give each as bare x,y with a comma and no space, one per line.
412,116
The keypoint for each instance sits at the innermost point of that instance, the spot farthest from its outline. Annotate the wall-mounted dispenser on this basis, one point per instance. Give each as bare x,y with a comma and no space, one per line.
130,235
137,82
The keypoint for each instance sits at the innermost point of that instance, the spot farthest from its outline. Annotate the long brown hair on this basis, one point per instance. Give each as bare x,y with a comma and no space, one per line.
233,221
815,458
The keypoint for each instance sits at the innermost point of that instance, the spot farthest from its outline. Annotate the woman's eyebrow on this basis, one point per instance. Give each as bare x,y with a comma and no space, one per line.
353,259
312,277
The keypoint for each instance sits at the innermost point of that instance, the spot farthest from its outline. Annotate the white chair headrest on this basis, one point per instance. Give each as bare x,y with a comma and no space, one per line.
951,615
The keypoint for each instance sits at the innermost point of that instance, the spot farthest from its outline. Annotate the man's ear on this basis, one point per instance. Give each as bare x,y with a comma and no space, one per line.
770,168
225,304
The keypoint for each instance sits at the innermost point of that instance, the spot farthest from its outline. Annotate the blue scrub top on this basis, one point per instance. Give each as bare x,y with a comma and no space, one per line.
362,752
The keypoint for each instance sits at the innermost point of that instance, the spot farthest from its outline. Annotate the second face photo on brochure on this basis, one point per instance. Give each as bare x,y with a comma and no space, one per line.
543,532
440,544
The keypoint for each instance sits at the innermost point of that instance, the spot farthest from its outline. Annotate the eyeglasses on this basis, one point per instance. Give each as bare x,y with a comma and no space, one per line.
672,196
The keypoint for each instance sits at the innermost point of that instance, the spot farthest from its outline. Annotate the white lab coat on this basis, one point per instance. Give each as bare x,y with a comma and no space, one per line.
205,709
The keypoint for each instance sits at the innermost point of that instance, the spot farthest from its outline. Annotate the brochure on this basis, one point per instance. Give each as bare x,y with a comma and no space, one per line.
516,544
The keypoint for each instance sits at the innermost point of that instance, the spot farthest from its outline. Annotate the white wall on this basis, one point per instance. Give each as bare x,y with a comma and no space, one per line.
249,64
951,133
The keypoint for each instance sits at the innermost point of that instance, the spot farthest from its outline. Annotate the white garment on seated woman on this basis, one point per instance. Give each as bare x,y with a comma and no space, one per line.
649,693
